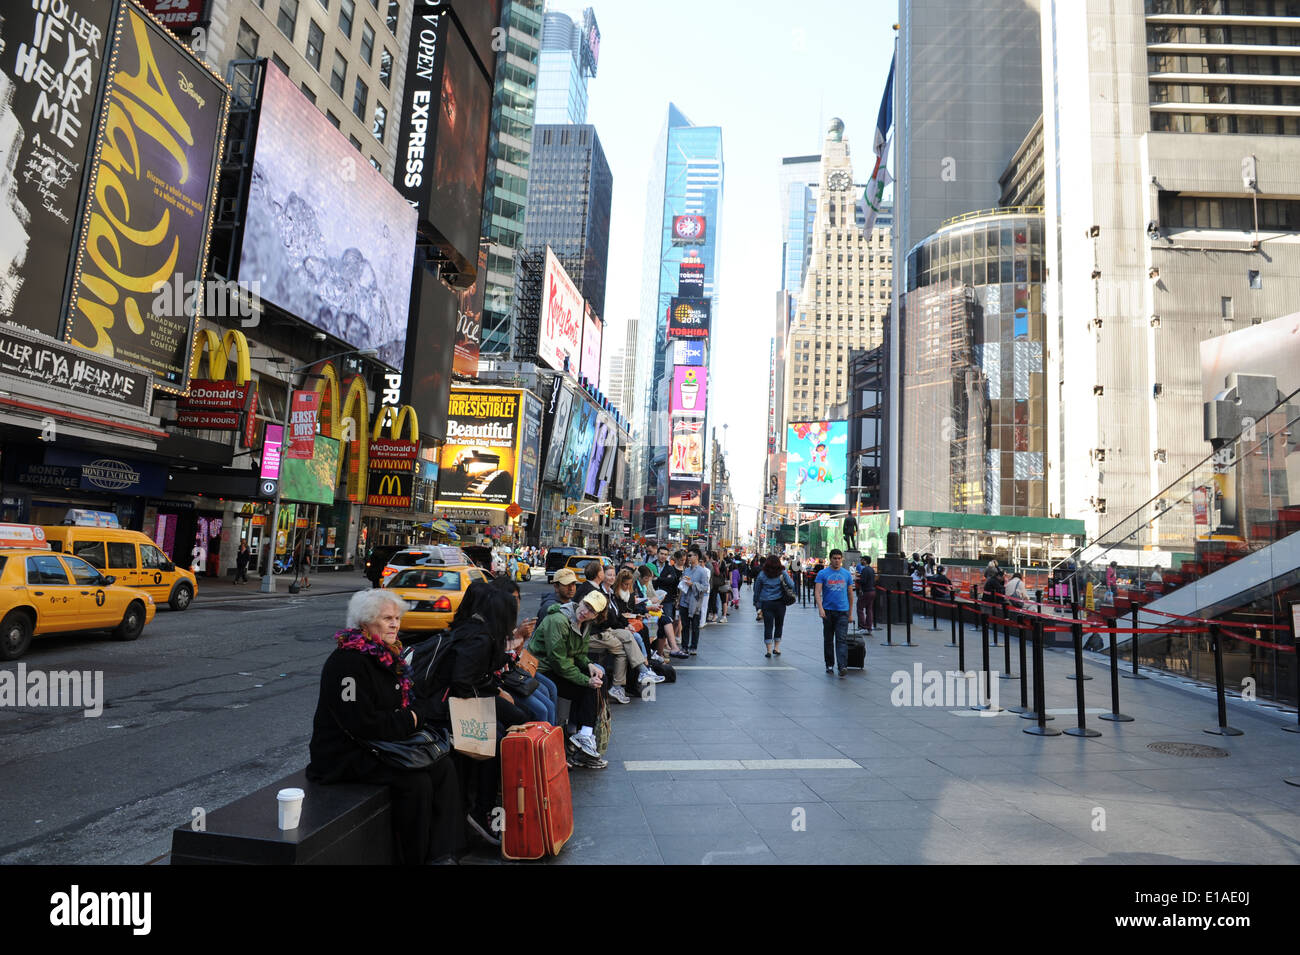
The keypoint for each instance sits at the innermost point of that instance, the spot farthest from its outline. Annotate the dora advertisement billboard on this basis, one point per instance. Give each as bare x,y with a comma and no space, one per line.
479,462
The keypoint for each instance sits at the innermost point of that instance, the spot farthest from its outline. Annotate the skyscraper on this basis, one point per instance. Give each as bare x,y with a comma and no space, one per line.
844,295
1171,219
509,152
683,208
570,52
570,189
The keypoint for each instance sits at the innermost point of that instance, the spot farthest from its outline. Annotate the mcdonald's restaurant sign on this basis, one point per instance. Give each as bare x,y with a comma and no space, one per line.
217,403
392,460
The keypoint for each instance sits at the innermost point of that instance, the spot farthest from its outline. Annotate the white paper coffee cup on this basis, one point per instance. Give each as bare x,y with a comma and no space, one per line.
290,804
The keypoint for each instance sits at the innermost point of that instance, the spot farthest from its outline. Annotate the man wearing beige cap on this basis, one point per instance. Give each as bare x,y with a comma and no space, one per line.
566,585
605,635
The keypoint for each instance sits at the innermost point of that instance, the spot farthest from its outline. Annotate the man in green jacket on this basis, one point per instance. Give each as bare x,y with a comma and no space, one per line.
560,645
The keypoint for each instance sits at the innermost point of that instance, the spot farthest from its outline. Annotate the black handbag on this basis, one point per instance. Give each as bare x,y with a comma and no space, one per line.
787,592
517,682
418,751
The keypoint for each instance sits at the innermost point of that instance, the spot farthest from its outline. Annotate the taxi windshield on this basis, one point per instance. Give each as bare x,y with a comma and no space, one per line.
427,579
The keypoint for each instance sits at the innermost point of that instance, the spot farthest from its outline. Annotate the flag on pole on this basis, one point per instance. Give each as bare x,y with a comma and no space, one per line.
874,194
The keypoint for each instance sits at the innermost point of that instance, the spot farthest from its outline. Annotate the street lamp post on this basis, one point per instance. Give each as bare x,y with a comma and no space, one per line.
268,579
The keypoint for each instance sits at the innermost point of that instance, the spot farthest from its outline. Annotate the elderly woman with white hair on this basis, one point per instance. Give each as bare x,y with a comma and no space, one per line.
366,694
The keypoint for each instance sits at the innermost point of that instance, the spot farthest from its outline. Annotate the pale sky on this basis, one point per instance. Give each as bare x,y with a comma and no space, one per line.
771,74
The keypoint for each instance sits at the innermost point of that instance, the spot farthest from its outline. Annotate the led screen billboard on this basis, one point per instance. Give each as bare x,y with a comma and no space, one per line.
686,452
688,318
326,236
690,276
577,448
154,175
311,480
45,140
603,445
559,412
469,321
559,331
530,453
478,463
689,230
686,352
816,459
591,335
690,390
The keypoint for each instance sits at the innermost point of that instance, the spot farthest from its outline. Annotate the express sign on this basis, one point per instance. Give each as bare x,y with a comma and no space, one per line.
559,335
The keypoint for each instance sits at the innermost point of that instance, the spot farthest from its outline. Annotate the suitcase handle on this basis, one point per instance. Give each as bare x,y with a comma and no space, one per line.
519,793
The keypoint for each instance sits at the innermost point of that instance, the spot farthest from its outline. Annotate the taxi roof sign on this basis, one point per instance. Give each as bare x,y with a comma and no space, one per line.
23,535
80,517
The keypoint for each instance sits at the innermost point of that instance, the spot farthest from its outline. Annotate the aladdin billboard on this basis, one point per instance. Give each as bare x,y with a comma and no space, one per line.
479,462
559,331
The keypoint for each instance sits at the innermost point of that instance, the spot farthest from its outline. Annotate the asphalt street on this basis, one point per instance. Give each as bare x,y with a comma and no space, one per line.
206,706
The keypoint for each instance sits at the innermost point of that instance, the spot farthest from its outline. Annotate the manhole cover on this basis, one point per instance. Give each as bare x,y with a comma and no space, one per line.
1197,750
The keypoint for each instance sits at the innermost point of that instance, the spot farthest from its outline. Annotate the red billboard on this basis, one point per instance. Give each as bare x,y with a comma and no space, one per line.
302,424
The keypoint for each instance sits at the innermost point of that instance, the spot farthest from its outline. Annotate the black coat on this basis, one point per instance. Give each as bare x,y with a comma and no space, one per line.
368,707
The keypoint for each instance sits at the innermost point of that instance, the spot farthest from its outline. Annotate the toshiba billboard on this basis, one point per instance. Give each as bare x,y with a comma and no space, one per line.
559,331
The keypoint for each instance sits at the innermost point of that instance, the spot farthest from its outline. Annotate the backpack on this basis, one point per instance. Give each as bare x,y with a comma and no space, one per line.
428,660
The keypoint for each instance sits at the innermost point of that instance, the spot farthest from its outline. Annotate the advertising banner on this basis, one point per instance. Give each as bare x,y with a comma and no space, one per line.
469,321
392,469
577,448
816,461
686,452
530,453
560,412
104,472
47,124
686,352
216,405
311,480
327,237
591,335
177,15
271,442
684,493
302,424
559,331
478,462
31,358
603,444
689,230
154,176
690,390
690,276
688,318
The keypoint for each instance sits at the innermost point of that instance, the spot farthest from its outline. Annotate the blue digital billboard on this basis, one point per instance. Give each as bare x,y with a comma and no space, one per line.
816,459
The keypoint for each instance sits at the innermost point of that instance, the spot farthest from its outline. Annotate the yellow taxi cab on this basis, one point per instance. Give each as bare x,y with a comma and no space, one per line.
435,590
578,563
420,555
130,556
43,592
524,571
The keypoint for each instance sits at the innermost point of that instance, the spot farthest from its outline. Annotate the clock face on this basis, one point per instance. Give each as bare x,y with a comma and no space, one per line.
840,181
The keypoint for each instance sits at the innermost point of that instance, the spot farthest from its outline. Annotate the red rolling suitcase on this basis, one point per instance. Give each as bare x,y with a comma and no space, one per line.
535,789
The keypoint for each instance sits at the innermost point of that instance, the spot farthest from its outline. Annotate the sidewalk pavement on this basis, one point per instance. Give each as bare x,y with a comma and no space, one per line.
214,589
753,760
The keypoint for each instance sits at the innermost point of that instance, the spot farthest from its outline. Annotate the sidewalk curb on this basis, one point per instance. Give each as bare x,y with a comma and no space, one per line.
280,591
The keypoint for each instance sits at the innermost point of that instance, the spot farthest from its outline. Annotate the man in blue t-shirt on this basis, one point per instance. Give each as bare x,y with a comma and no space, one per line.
833,589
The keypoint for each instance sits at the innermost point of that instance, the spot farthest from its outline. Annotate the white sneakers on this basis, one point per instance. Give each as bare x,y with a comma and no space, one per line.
618,694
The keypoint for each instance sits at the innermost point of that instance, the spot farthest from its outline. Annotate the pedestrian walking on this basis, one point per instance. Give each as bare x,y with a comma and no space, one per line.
306,565
833,590
866,587
768,601
241,563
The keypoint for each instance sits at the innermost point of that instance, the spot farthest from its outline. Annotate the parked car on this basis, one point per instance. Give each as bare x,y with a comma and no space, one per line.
555,558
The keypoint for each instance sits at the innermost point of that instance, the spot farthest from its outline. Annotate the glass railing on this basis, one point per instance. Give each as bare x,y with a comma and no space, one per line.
1228,511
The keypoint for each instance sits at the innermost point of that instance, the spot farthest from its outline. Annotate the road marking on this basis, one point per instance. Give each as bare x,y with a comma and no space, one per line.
695,667
686,765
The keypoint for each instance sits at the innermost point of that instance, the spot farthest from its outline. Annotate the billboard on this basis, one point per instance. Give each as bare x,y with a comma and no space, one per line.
689,230
469,321
559,413
443,139
690,390
687,352
604,443
271,442
690,276
688,318
577,448
311,480
45,140
530,453
392,472
591,334
686,451
590,56
152,186
176,15
559,331
326,236
685,493
478,463
430,354
1270,348
816,463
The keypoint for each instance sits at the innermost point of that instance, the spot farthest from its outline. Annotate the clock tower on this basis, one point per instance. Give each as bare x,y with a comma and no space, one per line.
844,300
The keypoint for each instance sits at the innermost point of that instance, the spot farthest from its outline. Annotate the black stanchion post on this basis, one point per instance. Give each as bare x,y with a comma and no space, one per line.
984,683
1223,729
907,609
1133,646
954,619
961,639
1115,716
889,617
1023,708
1076,630
1038,598
934,610
1040,728
1074,615
1007,673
